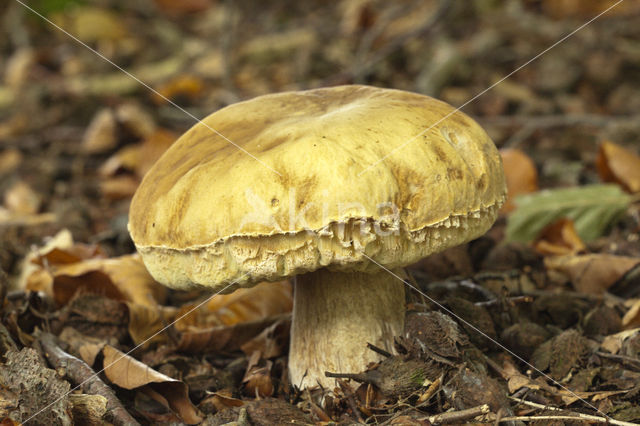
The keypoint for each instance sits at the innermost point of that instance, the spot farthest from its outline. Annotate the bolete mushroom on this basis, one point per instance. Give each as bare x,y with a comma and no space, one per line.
336,177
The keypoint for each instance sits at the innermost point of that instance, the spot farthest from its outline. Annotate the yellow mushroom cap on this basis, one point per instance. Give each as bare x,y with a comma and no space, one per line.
361,171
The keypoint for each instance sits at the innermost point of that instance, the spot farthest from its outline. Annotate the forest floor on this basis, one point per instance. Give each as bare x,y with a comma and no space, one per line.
538,321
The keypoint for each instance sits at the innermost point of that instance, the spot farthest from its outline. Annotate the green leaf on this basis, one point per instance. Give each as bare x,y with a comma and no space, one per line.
593,208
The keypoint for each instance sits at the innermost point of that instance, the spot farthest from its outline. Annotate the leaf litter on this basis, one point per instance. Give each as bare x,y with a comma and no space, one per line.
556,281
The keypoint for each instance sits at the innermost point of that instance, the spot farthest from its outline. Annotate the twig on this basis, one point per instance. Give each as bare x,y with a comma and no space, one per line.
573,415
358,377
79,372
378,350
459,416
350,400
632,363
581,417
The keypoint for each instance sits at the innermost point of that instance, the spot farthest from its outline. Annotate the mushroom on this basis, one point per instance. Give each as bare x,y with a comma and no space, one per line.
324,186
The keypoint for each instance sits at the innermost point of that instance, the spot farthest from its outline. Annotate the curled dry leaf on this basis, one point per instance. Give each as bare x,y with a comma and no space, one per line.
614,342
122,278
129,373
559,238
243,305
257,379
136,120
591,273
619,165
58,250
61,268
520,173
139,158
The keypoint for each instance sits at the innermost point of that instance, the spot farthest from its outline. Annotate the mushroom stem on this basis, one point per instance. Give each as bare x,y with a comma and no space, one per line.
335,315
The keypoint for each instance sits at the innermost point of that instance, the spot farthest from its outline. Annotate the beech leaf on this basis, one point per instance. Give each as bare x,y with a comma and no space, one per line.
592,208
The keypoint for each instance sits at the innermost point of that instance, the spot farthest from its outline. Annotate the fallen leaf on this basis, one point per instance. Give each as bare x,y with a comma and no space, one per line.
146,322
135,120
101,134
184,86
520,173
140,157
119,187
632,317
591,273
16,69
220,401
559,238
129,373
10,159
619,165
591,207
272,342
614,342
58,250
61,268
21,198
257,378
122,278
246,304
223,338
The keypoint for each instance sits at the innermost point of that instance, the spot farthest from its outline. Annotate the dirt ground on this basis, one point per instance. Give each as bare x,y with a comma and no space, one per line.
537,322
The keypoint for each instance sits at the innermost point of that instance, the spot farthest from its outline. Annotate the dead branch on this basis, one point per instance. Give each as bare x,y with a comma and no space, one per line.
82,375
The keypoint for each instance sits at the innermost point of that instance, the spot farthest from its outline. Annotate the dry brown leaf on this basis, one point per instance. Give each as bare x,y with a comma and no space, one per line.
119,187
136,120
152,148
146,322
614,342
58,250
122,278
221,400
619,165
21,198
101,134
10,159
273,340
61,268
632,318
257,378
246,304
129,373
591,273
16,69
559,238
222,338
140,157
520,173
184,86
